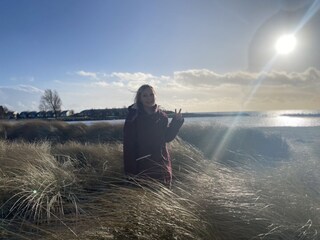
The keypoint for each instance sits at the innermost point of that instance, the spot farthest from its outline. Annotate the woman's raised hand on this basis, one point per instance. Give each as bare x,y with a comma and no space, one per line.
177,115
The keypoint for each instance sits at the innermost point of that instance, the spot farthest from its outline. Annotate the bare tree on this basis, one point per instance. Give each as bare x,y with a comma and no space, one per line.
50,101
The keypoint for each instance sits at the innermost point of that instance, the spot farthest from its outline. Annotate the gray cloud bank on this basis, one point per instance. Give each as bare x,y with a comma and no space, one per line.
206,90
207,78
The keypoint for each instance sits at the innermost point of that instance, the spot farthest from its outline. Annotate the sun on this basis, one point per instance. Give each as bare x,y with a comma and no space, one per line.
286,44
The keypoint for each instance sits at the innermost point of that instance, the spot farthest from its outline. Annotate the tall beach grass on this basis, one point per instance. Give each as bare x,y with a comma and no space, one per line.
73,187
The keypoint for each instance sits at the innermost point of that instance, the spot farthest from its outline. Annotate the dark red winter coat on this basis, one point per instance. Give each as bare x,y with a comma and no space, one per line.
144,145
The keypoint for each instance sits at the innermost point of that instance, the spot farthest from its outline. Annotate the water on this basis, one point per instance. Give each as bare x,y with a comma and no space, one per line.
300,129
251,119
263,119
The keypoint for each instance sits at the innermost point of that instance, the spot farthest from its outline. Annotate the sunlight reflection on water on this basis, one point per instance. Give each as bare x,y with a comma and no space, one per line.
295,121
247,121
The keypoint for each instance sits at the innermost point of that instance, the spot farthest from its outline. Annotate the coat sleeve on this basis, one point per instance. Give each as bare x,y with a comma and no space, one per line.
129,147
173,129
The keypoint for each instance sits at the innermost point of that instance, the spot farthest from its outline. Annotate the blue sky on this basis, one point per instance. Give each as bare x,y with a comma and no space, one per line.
96,53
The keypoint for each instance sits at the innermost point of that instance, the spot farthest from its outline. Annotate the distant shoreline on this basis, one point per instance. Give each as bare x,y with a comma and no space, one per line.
170,114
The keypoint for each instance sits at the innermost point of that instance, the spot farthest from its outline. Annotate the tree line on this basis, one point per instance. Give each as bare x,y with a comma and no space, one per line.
50,108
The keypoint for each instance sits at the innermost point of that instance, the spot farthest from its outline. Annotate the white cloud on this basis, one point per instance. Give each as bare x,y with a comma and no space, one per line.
100,84
22,79
139,76
82,73
118,84
23,88
29,89
20,104
122,79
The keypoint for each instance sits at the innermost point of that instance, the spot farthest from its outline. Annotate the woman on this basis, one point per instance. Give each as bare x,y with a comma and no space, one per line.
146,132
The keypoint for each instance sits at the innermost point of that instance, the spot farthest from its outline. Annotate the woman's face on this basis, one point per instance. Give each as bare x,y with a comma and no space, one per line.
148,98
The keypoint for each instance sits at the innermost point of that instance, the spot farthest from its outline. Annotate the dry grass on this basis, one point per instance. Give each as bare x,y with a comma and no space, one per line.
292,192
59,132
33,184
76,190
145,210
95,163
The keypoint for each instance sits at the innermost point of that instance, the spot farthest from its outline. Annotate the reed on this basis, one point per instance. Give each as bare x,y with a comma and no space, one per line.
59,131
33,184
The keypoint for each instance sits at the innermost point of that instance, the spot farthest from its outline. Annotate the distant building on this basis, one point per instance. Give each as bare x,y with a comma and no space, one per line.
103,113
50,114
32,114
41,114
66,113
23,115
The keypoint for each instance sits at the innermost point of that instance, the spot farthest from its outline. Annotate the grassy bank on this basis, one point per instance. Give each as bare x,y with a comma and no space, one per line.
61,181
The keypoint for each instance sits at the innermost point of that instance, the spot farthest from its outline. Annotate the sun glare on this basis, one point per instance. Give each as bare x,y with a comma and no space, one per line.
286,44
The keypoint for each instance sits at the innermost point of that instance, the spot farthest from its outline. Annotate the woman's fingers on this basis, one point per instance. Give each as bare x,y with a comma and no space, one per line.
177,115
